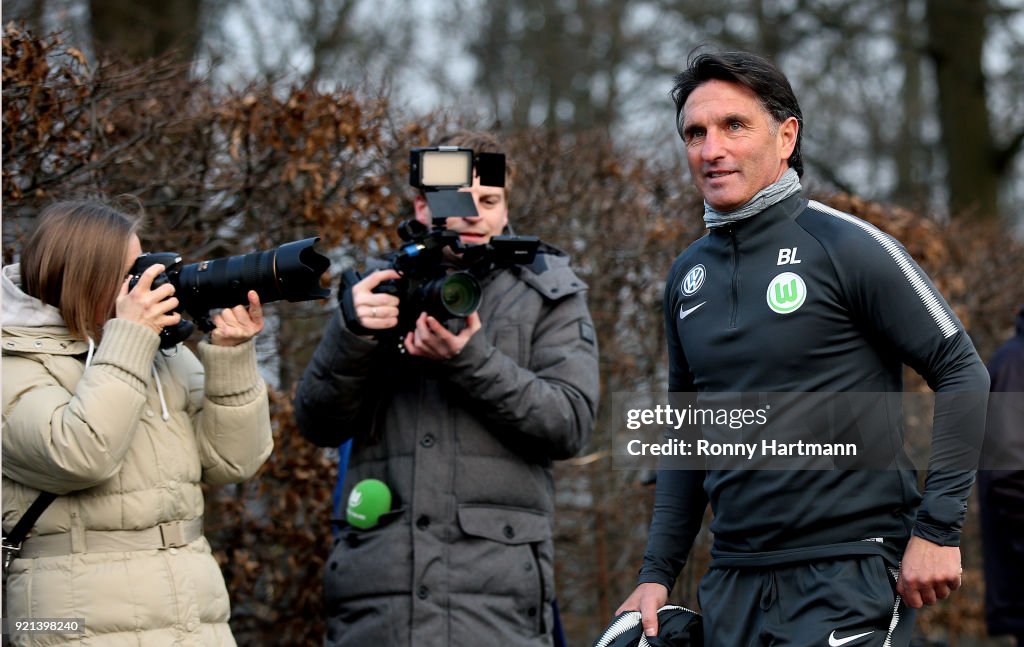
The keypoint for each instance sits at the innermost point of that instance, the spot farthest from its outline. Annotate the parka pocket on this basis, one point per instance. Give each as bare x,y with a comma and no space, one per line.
509,561
354,535
371,561
505,524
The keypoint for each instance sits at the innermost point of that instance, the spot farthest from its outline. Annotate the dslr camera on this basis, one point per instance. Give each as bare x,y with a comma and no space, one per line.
431,282
291,271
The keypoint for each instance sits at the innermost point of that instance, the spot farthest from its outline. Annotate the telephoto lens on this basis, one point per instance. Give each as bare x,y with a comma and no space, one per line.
290,272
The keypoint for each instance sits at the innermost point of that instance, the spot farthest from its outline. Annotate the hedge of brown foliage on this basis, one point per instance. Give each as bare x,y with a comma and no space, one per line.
235,171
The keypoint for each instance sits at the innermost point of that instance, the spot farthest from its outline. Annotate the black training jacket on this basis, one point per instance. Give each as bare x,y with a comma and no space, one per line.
803,298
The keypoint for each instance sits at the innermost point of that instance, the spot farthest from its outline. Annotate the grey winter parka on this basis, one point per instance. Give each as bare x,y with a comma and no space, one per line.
465,557
125,442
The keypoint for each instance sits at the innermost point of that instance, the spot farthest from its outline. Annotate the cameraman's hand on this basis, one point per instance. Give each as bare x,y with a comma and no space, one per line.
433,341
375,311
239,324
146,306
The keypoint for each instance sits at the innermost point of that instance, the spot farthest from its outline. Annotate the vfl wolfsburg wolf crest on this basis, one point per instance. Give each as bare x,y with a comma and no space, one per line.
786,293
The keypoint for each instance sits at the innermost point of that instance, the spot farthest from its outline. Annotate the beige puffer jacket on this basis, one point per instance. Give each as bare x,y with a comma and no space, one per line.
125,437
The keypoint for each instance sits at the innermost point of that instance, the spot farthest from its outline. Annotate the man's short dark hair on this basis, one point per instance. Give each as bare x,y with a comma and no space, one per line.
757,74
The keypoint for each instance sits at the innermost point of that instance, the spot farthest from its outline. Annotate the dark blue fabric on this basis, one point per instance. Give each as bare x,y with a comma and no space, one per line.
1001,493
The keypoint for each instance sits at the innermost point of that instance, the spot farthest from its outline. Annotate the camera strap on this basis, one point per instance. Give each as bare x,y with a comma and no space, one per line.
12,541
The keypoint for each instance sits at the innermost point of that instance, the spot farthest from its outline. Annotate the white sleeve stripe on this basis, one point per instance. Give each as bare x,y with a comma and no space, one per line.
929,299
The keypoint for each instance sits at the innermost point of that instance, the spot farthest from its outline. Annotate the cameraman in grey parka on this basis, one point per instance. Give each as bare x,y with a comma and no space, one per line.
462,427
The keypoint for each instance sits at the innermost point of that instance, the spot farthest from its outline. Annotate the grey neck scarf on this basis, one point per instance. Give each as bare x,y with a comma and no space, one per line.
785,186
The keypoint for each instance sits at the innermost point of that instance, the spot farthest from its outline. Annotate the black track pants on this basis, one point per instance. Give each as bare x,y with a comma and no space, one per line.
840,603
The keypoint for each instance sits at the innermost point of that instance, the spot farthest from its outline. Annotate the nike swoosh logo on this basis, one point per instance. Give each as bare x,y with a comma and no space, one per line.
839,642
683,314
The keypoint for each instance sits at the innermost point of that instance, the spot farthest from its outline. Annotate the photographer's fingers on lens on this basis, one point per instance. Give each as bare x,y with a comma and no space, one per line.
234,326
238,324
473,324
430,339
417,341
255,308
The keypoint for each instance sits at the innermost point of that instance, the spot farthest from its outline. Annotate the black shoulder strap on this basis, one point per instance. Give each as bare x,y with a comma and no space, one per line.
20,530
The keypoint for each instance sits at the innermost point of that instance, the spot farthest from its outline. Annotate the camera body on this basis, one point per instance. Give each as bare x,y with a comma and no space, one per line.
291,272
430,281
438,272
170,336
427,284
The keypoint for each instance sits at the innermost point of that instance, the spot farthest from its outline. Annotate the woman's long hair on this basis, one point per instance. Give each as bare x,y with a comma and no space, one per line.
74,261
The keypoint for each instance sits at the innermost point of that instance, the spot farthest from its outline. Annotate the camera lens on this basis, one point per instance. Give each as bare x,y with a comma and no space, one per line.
291,271
447,297
224,282
460,294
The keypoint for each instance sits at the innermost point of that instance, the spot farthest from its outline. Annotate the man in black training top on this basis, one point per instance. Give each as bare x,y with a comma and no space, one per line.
786,295
463,428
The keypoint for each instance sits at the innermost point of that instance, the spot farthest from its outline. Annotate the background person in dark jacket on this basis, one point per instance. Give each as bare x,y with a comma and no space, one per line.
463,428
1001,490
785,295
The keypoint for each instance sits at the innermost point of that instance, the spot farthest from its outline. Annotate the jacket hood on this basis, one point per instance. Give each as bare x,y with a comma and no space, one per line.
29,325
20,309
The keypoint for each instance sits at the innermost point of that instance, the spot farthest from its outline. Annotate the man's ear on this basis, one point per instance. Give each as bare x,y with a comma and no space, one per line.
788,133
419,203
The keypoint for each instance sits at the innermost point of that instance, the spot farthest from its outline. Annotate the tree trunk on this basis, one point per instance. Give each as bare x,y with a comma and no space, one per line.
909,150
956,33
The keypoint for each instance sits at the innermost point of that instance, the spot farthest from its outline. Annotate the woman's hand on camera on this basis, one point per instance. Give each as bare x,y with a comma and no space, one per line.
375,311
143,304
239,324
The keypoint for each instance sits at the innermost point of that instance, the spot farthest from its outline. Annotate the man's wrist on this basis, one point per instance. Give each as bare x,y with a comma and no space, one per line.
475,352
651,577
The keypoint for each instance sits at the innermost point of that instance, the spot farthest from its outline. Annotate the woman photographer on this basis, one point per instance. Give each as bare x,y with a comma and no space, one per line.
122,433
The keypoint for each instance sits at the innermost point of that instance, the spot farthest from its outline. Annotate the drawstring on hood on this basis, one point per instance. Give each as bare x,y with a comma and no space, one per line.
160,391
164,414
